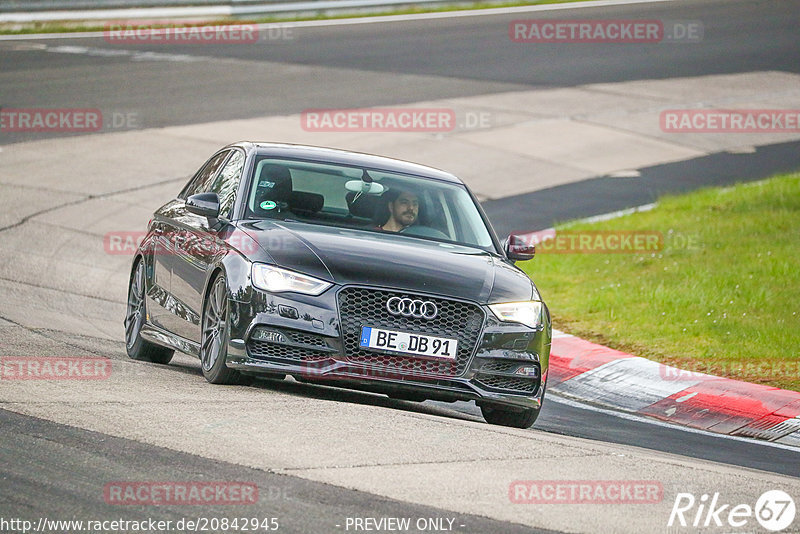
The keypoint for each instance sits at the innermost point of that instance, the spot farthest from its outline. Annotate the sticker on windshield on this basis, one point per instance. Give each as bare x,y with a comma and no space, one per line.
266,183
268,205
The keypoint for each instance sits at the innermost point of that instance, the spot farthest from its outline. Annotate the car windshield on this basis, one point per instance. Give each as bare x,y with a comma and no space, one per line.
365,198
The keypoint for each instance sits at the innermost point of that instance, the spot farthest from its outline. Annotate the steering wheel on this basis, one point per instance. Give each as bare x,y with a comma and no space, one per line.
423,231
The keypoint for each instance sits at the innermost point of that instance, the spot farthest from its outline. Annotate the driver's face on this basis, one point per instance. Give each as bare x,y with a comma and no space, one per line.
405,208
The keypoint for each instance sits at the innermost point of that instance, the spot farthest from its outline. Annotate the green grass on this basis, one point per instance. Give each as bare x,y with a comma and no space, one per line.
727,304
82,26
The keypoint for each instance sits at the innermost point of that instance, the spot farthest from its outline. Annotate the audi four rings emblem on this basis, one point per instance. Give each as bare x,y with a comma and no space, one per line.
421,309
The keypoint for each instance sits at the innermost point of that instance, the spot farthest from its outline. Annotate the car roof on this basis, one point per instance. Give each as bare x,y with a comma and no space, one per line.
346,157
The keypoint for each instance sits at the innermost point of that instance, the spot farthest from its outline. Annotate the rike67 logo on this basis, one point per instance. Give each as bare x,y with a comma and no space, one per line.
774,510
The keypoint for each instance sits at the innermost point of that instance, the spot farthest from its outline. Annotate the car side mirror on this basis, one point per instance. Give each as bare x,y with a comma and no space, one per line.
518,248
204,204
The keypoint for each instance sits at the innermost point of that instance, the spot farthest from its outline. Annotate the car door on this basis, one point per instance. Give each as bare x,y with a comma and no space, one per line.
170,224
160,302
199,245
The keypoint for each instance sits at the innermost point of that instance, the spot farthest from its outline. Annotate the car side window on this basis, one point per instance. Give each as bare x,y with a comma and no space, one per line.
201,182
227,182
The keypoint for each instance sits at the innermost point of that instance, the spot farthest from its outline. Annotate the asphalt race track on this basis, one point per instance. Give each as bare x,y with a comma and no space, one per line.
317,454
366,65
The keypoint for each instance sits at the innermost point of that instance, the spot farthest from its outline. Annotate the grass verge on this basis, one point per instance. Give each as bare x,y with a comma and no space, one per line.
722,296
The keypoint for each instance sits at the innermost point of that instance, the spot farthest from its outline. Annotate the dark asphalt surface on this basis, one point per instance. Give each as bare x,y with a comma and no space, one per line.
586,422
382,64
57,469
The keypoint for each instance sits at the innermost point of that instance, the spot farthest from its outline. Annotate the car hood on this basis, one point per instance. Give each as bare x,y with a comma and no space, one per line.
348,256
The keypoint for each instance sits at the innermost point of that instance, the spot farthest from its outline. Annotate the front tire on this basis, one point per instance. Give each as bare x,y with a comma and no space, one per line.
504,417
136,347
214,338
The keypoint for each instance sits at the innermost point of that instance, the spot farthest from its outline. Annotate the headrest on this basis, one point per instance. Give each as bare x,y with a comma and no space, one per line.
364,207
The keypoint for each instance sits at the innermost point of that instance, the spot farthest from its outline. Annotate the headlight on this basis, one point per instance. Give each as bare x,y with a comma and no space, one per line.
527,313
275,279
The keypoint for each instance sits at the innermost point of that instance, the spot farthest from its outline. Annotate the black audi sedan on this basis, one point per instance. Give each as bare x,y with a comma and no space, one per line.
344,269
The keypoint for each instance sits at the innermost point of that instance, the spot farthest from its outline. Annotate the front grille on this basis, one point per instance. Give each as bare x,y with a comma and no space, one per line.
508,384
305,339
500,366
367,307
266,350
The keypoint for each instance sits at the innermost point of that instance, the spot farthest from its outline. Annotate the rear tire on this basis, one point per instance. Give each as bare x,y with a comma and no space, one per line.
505,417
136,347
214,337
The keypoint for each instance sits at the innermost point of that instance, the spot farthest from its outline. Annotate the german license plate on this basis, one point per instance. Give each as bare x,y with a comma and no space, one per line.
407,343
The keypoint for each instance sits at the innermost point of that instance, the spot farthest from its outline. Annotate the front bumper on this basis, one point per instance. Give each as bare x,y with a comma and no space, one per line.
311,339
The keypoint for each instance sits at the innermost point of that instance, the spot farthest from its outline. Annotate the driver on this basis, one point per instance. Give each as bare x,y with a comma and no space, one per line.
403,207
